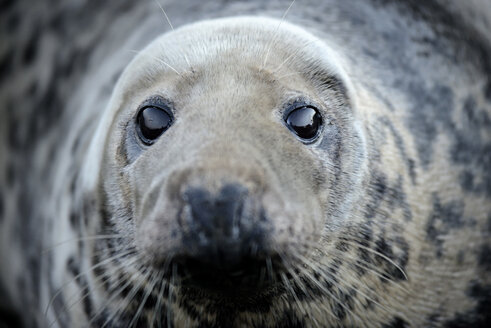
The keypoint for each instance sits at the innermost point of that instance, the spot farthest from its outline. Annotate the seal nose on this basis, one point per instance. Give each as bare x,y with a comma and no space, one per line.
221,229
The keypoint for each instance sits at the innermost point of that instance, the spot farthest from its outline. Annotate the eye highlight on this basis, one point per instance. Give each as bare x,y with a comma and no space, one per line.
305,122
151,122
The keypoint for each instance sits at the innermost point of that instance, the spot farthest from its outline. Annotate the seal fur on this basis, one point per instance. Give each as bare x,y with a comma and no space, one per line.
372,220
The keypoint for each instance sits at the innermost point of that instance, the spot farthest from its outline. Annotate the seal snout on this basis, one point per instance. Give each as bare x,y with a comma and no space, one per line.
225,235
222,227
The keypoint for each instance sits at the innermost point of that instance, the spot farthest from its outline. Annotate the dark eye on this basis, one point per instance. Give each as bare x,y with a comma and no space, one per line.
305,122
151,122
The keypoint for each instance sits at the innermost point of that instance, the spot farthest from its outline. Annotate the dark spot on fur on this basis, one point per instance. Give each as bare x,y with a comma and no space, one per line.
401,258
1,205
471,151
339,310
480,316
13,22
74,220
6,5
9,317
396,250
10,174
342,246
30,49
431,109
397,322
73,185
484,257
467,180
474,153
15,136
33,88
100,270
384,248
331,144
59,302
6,65
411,167
487,90
289,320
59,307
467,44
347,298
397,198
443,219
81,280
378,186
401,146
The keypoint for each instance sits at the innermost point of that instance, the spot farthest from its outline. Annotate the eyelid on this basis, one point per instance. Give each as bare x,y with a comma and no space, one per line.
157,101
298,103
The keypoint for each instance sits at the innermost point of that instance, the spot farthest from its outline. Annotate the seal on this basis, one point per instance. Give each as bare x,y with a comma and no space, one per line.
253,172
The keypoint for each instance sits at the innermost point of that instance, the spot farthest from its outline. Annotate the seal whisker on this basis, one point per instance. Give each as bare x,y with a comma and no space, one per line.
323,288
170,296
101,279
369,267
157,59
148,288
275,34
293,55
172,28
157,312
112,296
77,239
291,290
269,268
380,255
317,268
287,75
126,301
297,280
105,261
356,241
352,260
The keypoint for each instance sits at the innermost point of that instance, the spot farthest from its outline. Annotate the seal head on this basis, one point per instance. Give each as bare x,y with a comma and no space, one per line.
226,150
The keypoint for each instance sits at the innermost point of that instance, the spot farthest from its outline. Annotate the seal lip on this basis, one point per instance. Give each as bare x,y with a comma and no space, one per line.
298,103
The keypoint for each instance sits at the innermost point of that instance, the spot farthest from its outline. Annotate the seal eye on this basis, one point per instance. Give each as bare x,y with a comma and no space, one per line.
305,122
151,122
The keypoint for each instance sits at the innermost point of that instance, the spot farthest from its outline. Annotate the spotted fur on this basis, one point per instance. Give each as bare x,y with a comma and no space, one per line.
406,238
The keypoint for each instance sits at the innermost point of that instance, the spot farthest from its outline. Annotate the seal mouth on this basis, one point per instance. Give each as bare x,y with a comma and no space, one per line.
249,276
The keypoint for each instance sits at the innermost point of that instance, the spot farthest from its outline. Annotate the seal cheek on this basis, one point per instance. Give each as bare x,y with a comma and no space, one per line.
297,222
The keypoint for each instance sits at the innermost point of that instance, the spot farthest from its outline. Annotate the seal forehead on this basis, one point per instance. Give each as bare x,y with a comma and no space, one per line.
263,43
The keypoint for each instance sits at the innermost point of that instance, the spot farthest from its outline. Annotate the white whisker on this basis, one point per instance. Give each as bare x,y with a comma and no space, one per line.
126,299
157,59
149,288
270,44
171,26
108,260
77,239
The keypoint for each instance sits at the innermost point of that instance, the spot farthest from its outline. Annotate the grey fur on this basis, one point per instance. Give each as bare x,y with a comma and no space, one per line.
405,165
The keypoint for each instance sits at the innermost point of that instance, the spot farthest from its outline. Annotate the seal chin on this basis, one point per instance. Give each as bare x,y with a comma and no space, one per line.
249,276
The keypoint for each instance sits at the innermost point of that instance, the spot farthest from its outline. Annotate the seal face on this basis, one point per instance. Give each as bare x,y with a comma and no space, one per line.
231,211
246,172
